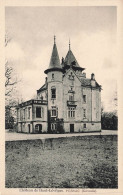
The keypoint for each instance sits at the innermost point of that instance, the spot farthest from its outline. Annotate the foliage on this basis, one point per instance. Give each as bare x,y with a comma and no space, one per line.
60,128
109,121
11,100
11,80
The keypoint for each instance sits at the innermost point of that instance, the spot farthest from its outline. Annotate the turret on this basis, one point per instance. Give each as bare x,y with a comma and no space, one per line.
70,61
54,64
55,85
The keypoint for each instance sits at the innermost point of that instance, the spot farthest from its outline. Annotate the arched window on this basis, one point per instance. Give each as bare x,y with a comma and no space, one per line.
84,98
84,126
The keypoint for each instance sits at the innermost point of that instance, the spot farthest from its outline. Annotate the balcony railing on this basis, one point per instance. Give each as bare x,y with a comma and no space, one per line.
71,103
30,102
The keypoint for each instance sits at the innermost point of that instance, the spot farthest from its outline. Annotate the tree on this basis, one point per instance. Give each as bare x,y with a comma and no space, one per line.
10,87
109,121
11,80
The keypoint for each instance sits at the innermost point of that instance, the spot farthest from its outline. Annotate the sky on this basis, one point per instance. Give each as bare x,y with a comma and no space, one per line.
92,32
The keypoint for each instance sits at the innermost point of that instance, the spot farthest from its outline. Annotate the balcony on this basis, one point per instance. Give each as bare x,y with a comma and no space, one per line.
40,102
30,102
71,103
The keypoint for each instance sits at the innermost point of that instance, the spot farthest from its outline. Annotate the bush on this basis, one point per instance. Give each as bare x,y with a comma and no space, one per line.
109,120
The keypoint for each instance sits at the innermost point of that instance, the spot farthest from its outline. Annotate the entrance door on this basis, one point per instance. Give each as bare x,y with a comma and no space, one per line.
71,128
38,128
29,127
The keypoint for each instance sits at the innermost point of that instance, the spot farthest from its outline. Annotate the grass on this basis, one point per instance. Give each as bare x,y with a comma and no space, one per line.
74,162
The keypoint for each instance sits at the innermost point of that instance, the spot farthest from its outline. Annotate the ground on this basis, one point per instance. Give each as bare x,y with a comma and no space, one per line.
13,136
65,162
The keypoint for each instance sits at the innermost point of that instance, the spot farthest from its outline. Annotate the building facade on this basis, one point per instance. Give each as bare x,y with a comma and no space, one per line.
67,102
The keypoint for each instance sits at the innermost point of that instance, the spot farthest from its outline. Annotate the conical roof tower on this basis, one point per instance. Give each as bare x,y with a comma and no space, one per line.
54,61
70,60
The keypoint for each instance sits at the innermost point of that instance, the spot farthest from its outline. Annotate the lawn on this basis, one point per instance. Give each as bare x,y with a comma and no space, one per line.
74,162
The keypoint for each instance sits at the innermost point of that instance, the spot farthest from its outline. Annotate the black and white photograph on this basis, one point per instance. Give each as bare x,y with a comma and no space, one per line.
61,98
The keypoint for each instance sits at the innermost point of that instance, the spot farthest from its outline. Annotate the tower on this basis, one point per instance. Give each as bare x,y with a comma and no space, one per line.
55,89
70,61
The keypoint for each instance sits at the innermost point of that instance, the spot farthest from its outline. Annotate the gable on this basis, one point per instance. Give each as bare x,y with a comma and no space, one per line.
71,75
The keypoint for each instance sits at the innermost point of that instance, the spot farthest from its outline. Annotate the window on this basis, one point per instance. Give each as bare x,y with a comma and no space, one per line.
84,98
71,77
84,126
71,97
53,93
72,82
52,76
38,112
29,113
84,113
23,113
71,112
54,112
53,126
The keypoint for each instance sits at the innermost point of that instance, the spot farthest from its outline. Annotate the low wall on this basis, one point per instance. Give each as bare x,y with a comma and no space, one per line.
79,127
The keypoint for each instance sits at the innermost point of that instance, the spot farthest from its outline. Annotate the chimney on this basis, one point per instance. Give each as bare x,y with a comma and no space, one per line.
92,76
93,82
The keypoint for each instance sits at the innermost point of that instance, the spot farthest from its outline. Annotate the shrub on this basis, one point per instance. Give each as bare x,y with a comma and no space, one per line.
109,120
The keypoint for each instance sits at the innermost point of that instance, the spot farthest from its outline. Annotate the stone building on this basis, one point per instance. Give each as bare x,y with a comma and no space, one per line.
67,102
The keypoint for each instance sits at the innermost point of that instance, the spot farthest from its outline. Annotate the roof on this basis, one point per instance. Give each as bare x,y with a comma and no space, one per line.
44,87
54,61
87,83
70,59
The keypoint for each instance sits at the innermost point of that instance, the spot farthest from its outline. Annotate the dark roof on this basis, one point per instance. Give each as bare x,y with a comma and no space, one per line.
44,87
54,61
87,83
70,59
